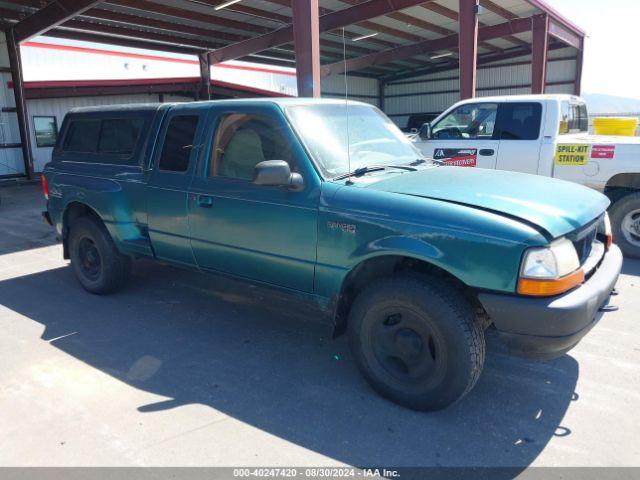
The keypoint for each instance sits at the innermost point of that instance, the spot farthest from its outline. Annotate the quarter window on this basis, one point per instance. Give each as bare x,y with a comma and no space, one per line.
178,143
241,141
46,131
468,122
520,121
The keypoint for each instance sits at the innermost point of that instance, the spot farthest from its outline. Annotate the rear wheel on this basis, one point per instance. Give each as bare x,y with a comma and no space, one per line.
98,265
417,341
625,222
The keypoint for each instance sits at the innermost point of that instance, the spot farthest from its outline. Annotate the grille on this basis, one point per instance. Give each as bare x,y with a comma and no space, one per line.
584,242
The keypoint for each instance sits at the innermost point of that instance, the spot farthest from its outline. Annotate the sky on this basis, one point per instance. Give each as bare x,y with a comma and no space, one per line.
610,65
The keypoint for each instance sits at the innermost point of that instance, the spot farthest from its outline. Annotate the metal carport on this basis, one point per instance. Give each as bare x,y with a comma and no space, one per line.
389,41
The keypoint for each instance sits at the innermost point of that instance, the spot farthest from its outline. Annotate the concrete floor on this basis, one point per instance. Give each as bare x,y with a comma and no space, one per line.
187,369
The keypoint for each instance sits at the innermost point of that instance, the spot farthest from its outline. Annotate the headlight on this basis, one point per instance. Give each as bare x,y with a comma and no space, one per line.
550,270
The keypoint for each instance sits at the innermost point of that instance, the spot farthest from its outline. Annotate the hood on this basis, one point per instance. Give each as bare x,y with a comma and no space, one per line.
555,206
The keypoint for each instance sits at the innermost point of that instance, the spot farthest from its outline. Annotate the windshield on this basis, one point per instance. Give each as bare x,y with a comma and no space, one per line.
373,139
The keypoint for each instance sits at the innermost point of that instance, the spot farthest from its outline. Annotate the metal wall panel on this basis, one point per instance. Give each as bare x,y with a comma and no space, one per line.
436,92
359,88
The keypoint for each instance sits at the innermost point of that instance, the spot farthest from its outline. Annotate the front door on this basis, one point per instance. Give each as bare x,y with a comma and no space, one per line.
519,126
263,233
167,190
466,137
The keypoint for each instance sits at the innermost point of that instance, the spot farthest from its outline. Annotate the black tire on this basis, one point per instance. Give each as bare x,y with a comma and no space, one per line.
624,215
417,341
98,265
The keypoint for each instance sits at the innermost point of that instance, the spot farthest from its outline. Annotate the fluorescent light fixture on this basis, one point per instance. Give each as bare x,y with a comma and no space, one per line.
362,37
441,55
225,4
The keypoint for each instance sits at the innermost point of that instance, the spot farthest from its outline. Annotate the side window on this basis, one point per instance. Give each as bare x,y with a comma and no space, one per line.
241,141
82,136
46,131
178,143
468,122
573,118
119,135
520,121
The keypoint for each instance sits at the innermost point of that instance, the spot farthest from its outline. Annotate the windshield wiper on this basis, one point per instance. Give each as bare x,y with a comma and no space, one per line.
358,172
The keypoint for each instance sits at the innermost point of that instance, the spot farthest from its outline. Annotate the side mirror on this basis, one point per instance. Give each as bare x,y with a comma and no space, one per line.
425,131
276,173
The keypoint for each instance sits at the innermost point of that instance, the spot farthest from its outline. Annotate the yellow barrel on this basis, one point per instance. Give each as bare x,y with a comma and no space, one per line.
622,126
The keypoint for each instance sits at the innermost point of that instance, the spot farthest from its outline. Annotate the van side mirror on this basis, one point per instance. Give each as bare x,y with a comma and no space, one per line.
276,173
425,131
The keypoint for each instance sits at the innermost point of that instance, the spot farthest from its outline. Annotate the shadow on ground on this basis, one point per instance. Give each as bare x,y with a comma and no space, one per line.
21,226
261,359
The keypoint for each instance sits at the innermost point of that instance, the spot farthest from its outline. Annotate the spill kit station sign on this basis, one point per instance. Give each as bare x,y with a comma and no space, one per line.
579,154
458,157
573,154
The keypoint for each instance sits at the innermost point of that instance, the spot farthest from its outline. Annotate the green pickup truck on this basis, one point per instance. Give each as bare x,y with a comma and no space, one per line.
328,200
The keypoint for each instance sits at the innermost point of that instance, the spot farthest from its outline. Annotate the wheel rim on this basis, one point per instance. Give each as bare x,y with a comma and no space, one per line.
631,227
90,260
407,347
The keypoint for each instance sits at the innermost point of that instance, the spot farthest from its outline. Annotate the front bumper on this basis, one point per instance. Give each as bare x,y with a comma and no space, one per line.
546,328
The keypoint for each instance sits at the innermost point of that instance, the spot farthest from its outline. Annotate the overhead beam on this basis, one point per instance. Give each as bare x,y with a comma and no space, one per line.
306,32
468,47
540,43
427,46
330,21
55,13
556,30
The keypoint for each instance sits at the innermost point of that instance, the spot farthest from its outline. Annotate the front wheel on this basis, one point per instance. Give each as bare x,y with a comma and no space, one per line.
98,265
417,341
625,222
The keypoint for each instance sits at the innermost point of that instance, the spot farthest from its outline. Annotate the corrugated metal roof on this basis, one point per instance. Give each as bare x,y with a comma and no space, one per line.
195,26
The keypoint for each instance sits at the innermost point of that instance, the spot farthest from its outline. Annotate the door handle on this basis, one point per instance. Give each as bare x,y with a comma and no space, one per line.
487,152
205,201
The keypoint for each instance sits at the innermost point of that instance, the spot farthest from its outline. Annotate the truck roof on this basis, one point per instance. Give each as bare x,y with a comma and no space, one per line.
272,100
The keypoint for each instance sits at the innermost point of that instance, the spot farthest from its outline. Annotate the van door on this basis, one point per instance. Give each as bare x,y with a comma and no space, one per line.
519,129
465,137
174,163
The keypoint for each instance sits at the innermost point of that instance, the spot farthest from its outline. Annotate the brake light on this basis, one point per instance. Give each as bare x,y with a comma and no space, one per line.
45,187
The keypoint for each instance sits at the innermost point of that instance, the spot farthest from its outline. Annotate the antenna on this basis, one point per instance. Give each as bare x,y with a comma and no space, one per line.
346,103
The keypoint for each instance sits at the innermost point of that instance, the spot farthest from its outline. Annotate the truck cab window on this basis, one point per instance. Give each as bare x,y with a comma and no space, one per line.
520,121
467,122
178,143
241,141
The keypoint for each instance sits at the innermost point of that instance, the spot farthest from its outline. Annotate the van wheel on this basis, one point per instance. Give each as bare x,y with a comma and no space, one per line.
625,223
417,341
98,265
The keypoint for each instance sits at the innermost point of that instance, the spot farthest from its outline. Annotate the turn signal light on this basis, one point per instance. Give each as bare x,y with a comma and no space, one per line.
548,288
45,187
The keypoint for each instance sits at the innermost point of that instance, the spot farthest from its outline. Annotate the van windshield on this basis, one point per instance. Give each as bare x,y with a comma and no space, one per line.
371,137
